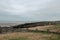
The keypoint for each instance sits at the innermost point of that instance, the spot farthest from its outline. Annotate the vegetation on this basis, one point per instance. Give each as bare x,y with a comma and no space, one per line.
35,34
29,36
20,38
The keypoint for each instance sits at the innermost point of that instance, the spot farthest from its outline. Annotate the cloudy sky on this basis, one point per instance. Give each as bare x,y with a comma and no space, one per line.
29,10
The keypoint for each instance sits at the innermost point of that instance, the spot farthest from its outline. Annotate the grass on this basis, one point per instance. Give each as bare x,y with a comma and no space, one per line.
31,35
20,38
57,38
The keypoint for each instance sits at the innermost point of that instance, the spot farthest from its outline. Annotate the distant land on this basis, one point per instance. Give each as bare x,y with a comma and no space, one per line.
13,23
10,23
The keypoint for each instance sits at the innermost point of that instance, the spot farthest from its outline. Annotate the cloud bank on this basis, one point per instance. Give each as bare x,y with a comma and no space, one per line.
30,10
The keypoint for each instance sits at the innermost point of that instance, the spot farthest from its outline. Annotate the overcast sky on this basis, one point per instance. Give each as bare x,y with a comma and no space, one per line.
29,10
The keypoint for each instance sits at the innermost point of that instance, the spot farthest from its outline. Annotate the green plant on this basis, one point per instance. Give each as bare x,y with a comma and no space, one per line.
57,38
20,38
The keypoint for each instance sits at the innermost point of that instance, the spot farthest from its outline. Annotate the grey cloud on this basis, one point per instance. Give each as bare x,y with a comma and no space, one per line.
31,9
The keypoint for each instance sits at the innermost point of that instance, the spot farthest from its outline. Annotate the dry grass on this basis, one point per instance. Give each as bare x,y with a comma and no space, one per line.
32,35
50,27
41,27
26,36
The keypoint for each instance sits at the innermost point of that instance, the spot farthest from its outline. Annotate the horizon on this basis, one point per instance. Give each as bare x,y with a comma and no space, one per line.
24,21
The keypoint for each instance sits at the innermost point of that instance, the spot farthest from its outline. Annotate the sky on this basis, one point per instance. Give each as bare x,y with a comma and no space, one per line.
29,10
